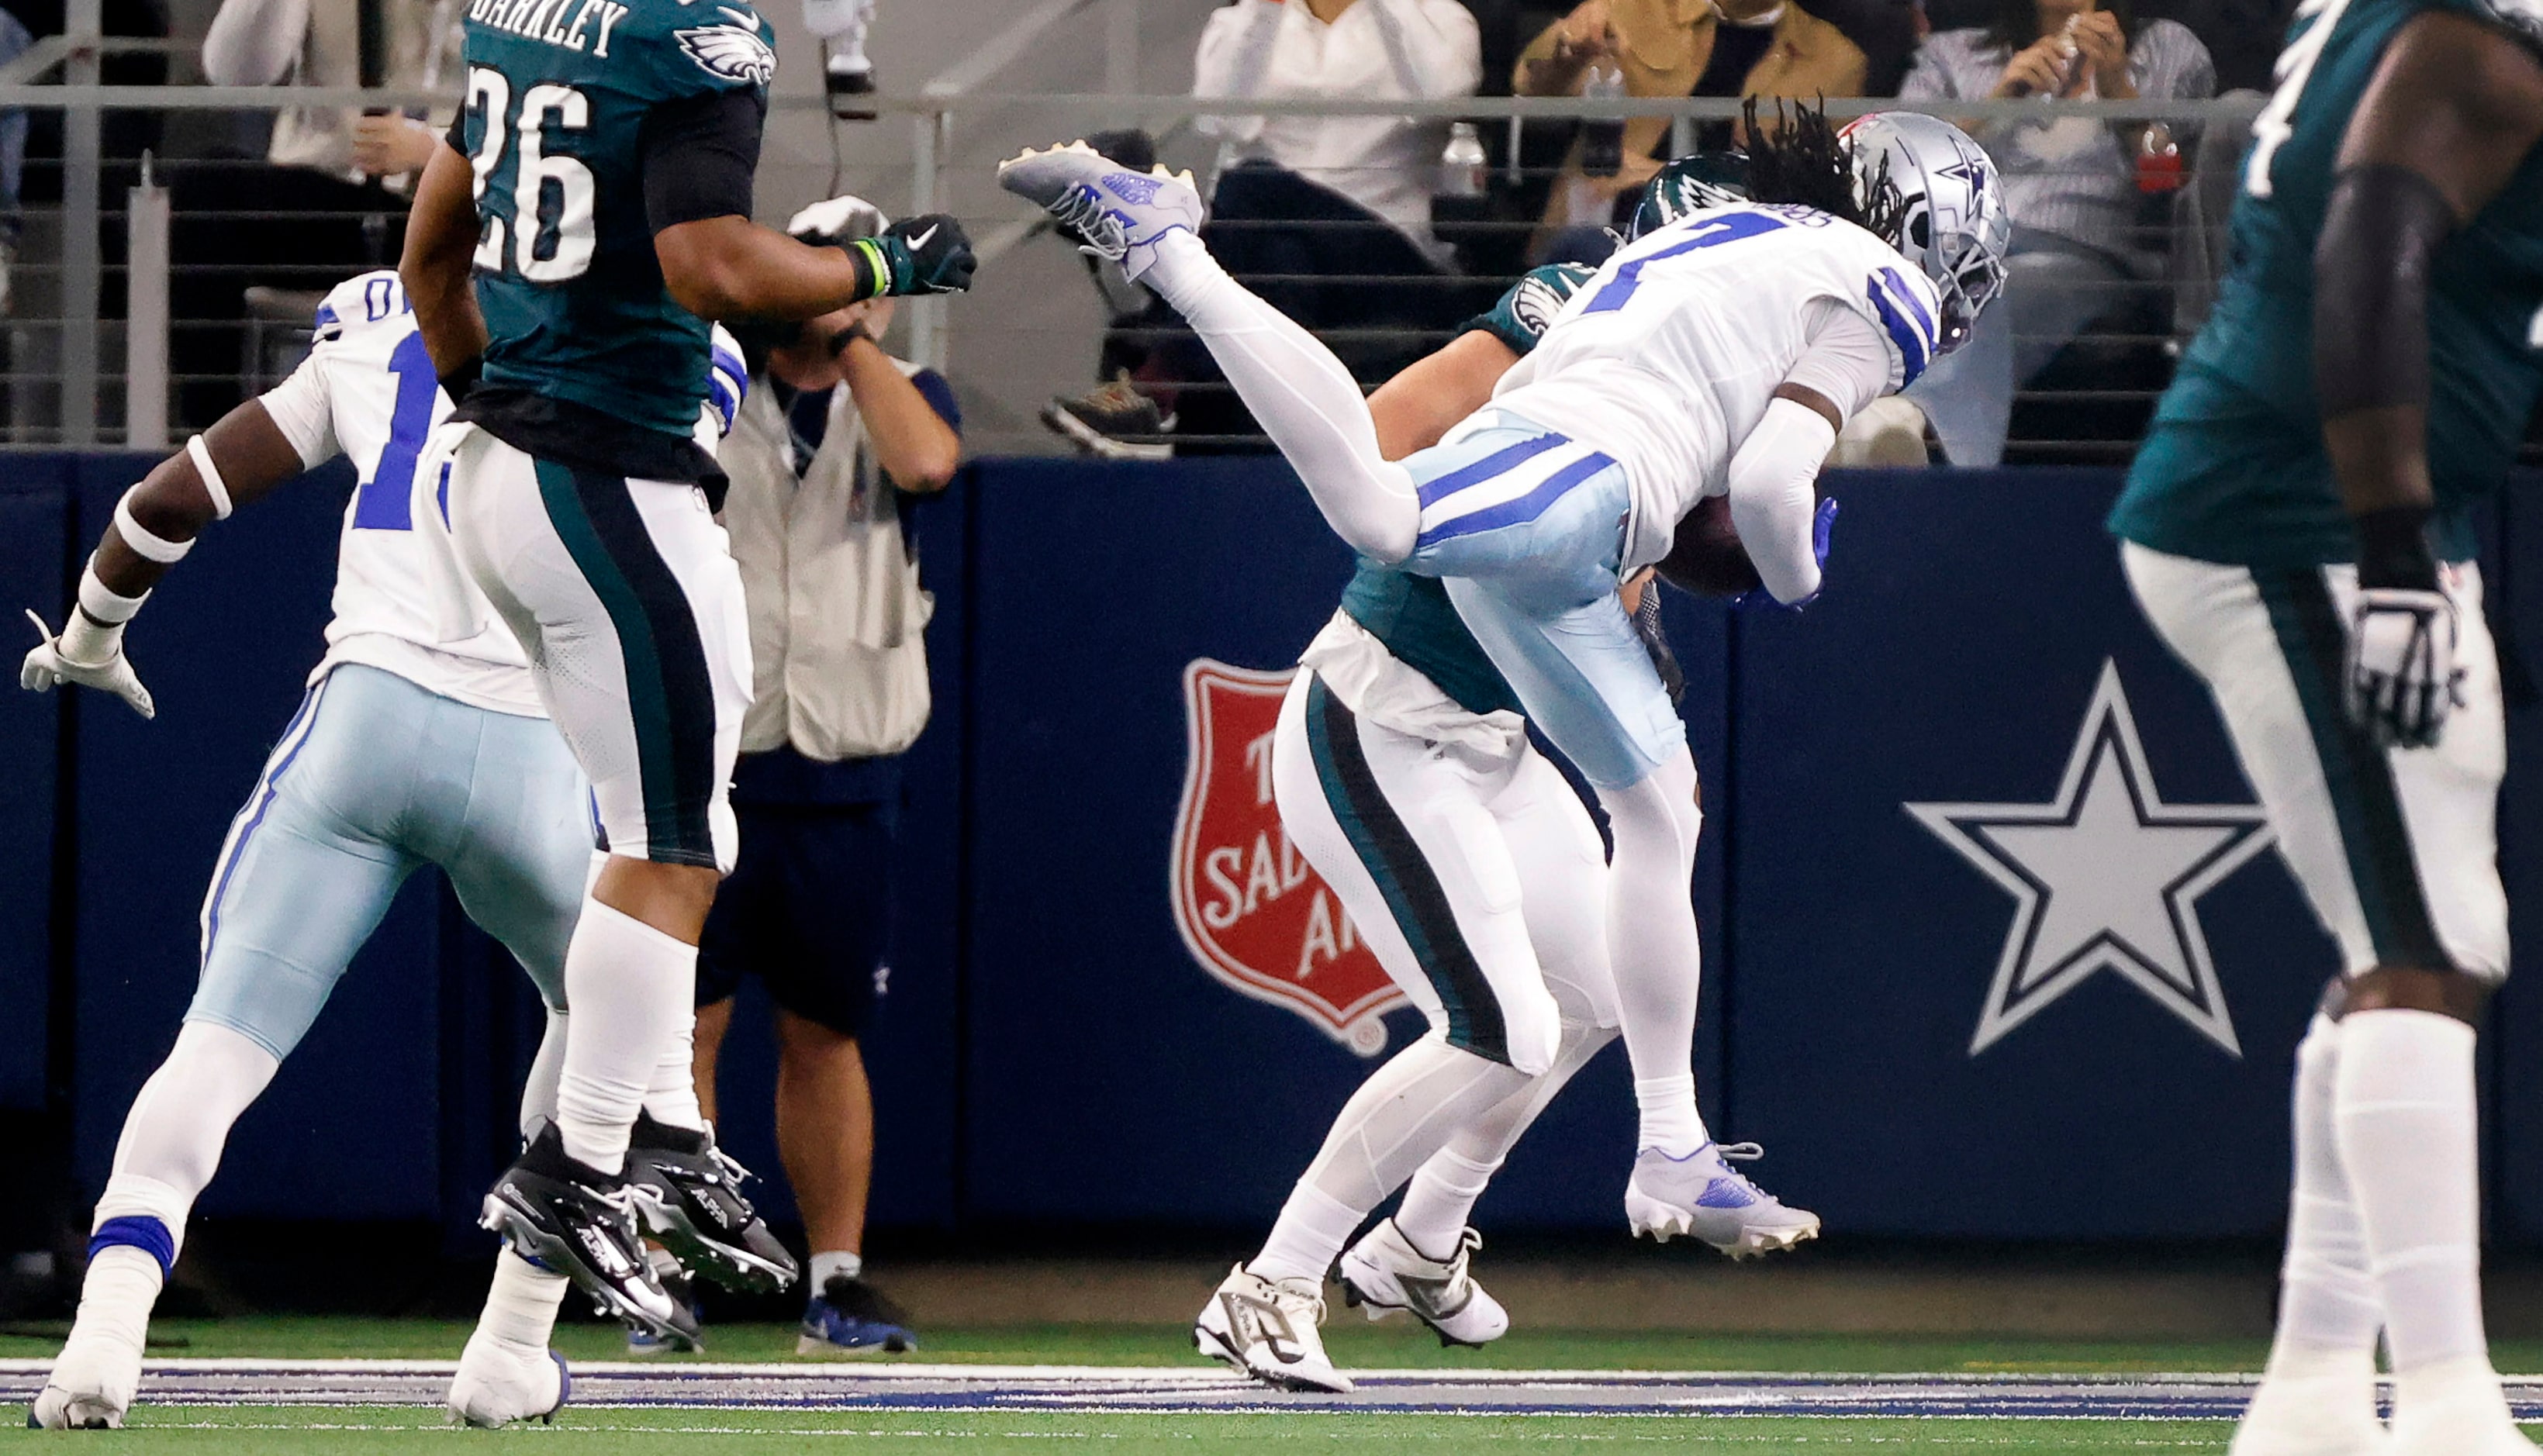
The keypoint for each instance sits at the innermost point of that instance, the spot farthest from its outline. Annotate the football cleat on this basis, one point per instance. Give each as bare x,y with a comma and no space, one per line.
2454,1408
500,1382
1267,1328
1120,213
688,1195
90,1386
1384,1273
642,1341
1701,1196
2327,1408
576,1221
851,1318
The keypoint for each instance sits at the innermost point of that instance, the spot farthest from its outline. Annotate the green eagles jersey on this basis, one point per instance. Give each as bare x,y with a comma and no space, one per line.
2234,469
1414,619
558,93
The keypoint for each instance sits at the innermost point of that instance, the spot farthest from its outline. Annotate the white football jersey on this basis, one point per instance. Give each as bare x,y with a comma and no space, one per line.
367,390
1666,359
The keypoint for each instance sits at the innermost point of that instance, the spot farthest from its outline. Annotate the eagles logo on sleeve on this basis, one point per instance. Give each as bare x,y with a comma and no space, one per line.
730,51
1536,302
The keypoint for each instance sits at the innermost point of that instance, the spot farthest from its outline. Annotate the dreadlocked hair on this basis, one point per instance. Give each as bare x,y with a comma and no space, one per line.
1801,161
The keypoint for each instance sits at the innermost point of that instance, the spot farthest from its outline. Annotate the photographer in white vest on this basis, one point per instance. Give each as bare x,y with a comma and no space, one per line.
835,443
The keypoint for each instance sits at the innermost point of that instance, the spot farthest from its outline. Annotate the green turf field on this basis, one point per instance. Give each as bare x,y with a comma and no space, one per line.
389,1431
288,1431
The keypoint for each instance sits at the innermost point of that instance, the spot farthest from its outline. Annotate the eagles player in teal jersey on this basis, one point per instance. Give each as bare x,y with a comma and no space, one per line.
565,254
2297,529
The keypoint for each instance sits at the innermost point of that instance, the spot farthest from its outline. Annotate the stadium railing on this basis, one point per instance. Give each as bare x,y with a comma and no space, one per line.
88,328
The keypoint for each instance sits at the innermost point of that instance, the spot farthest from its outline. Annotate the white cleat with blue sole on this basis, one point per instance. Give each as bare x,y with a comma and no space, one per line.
1701,1197
1120,214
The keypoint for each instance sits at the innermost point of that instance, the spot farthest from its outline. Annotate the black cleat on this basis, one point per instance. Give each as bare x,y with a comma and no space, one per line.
1114,421
578,1221
689,1195
850,92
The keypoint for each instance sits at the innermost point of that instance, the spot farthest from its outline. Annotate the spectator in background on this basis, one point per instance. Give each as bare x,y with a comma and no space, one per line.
1772,48
2070,184
835,443
1326,217
327,199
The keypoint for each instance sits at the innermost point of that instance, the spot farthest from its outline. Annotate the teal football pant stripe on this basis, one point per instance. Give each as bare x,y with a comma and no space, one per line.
630,608
2396,850
2354,773
670,696
377,778
1403,877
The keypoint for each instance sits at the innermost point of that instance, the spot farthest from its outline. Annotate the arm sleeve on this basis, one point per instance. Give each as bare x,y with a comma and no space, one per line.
253,42
301,409
699,154
1847,359
1773,493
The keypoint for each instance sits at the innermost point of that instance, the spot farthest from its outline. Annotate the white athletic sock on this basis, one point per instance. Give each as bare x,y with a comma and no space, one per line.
1658,955
102,1358
2327,1313
2409,1137
1439,1202
521,1304
1670,1120
632,990
1308,1236
672,1096
834,1261
1301,395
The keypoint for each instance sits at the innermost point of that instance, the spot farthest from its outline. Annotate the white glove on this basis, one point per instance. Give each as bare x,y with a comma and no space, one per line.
2401,673
47,665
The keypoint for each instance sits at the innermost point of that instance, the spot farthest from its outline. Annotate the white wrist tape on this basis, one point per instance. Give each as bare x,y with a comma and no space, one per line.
148,545
213,484
104,602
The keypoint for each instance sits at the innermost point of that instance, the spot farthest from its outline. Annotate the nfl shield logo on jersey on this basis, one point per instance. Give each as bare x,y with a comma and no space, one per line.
1253,911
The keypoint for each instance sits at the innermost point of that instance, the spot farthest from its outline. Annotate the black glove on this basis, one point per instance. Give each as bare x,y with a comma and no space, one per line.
927,254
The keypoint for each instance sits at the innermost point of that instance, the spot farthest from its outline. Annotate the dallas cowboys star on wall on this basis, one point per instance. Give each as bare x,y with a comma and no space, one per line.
2105,877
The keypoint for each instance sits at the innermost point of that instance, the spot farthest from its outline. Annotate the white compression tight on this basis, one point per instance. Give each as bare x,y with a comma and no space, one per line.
179,1123
1405,1113
1302,396
1439,1202
1652,938
632,990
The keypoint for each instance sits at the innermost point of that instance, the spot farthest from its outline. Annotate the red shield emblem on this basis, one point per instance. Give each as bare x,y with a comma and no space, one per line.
1254,912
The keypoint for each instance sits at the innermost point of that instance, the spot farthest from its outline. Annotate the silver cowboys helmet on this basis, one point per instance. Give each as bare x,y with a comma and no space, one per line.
1953,224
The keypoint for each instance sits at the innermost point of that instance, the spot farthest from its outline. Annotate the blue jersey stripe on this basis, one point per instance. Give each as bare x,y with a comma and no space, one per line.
1526,507
1433,492
1913,352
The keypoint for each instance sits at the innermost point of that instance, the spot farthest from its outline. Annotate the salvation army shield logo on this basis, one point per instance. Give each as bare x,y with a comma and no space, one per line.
1254,912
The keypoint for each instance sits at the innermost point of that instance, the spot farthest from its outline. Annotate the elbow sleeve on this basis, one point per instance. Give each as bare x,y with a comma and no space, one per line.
1774,494
2380,232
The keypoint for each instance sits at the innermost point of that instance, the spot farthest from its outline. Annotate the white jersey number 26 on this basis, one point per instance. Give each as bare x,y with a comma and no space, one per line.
552,233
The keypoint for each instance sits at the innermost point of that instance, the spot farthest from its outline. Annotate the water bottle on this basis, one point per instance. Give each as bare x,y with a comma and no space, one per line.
1464,170
1602,138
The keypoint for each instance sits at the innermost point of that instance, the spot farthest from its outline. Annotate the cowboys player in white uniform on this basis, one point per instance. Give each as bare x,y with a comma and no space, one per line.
420,742
1718,356
1404,775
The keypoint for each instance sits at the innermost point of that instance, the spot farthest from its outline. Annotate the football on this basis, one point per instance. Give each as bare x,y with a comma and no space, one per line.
1706,558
